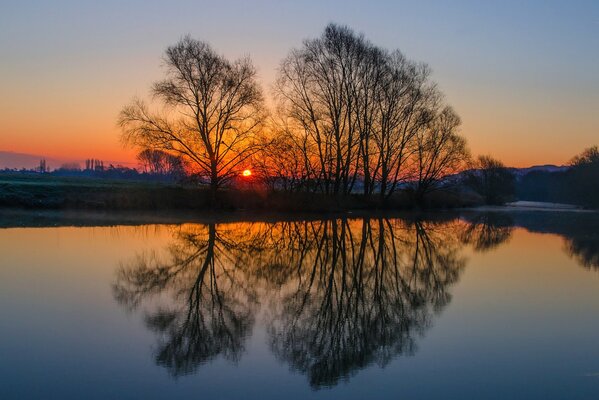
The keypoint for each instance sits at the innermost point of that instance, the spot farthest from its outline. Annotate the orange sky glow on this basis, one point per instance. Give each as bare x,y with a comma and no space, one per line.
527,95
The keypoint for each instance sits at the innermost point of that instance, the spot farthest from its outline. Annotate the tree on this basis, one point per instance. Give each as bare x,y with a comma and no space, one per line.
43,167
492,180
589,156
405,99
315,89
439,151
280,164
354,110
583,176
211,110
160,163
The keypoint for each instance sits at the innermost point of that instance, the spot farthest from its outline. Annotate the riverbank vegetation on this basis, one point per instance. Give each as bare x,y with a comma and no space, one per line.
36,191
578,184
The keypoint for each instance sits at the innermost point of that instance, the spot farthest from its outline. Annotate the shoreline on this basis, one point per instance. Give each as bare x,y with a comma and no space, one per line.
25,218
156,201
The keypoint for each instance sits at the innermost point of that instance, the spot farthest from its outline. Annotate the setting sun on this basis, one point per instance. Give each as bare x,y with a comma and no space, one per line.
246,173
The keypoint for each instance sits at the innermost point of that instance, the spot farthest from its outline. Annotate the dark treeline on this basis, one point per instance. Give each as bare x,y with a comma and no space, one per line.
488,177
579,184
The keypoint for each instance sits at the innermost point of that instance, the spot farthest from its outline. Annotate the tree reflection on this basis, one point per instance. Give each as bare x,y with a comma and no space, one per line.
213,309
340,294
487,231
581,238
362,291
585,249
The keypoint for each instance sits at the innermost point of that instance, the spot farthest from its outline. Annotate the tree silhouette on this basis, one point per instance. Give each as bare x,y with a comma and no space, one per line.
583,176
492,180
356,114
439,151
211,109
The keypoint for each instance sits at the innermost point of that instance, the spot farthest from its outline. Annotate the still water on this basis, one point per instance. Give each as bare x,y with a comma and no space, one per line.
477,305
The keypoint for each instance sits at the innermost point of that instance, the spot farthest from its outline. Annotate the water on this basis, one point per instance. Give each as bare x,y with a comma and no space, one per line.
456,306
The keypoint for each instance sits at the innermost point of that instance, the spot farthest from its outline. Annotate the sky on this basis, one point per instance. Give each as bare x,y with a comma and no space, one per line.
522,75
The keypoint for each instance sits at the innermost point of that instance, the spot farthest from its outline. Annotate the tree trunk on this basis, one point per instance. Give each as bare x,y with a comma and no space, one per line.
213,184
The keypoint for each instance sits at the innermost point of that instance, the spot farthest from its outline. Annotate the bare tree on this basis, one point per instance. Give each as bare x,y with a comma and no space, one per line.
316,88
587,157
492,180
211,109
281,164
160,163
405,100
360,113
439,151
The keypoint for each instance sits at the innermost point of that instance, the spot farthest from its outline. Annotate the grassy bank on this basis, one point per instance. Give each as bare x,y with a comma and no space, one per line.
65,193
44,192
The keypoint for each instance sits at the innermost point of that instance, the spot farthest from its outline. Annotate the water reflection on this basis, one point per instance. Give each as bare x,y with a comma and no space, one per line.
212,312
344,293
581,239
361,293
337,295
487,231
584,249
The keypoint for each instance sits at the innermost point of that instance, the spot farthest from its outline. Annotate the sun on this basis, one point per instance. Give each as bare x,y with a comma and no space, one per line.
246,172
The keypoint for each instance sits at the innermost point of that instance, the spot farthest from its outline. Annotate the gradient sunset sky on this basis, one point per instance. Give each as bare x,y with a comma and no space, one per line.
523,75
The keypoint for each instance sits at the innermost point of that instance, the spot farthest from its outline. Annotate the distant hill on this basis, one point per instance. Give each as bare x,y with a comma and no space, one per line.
539,168
9,159
518,172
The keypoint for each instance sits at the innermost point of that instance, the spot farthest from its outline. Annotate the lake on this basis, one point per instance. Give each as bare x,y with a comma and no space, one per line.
447,305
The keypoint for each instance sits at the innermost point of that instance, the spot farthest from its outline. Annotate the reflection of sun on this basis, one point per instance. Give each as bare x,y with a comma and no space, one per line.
246,172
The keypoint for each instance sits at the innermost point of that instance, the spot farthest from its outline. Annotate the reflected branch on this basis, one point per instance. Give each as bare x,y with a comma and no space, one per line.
368,293
343,294
212,312
488,231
